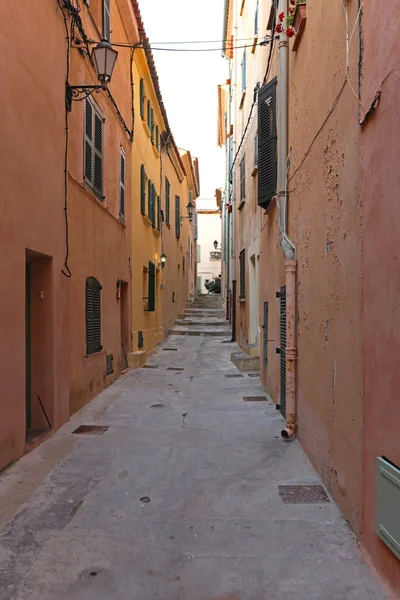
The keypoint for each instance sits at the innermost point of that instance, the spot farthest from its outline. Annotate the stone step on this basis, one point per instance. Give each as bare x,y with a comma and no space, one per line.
244,362
206,322
210,331
203,311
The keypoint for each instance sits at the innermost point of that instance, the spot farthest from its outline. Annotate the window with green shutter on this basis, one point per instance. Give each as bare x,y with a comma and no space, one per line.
142,98
177,216
157,138
143,190
153,206
93,148
151,300
148,114
158,213
122,185
152,126
93,316
167,201
267,144
149,198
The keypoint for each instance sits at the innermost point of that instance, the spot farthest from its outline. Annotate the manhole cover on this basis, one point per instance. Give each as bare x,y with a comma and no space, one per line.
171,349
158,405
174,369
150,367
91,429
303,494
255,398
233,376
253,374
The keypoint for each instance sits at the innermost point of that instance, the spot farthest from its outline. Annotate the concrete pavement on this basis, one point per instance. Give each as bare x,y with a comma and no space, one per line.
177,500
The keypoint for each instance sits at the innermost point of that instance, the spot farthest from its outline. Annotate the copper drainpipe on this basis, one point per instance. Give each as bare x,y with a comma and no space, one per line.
287,245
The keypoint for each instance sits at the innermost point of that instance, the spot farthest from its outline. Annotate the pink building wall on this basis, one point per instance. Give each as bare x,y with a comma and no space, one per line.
381,266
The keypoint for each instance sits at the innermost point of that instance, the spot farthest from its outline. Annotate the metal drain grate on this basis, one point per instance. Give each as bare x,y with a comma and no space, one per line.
170,349
255,398
226,342
91,429
253,374
233,376
303,494
175,369
150,366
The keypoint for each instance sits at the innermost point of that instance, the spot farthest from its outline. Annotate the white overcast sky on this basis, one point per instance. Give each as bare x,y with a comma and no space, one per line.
189,80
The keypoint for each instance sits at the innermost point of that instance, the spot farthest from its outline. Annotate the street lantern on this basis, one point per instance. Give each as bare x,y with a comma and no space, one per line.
163,259
189,209
104,57
215,244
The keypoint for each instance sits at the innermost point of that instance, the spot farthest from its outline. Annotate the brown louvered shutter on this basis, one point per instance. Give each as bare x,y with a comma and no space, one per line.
267,144
177,216
93,316
122,186
88,160
152,288
167,201
98,154
242,267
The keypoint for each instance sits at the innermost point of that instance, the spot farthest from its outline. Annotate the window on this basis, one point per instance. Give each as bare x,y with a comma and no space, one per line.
158,213
244,71
143,190
151,299
157,138
198,253
167,201
122,185
93,167
152,125
256,20
148,114
142,98
151,199
243,178
106,20
177,216
242,266
256,150
267,144
196,225
183,263
216,255
92,309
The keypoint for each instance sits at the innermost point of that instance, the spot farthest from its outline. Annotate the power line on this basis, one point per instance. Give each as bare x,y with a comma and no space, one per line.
123,45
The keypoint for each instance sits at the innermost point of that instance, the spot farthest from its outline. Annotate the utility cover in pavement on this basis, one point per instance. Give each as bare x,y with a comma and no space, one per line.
150,366
174,369
303,494
170,349
232,376
255,398
91,429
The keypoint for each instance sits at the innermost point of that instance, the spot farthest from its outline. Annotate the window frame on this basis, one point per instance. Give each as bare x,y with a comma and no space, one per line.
143,186
93,342
242,275
177,216
242,175
106,12
122,180
167,202
94,149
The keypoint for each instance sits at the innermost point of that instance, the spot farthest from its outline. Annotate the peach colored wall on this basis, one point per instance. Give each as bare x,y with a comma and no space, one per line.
381,216
100,243
31,184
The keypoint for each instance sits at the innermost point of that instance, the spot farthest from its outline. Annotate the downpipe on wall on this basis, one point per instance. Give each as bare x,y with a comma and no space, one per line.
286,244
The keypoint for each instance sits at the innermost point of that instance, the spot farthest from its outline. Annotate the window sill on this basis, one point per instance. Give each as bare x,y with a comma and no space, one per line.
147,129
156,151
94,353
242,100
299,23
156,232
242,300
255,171
242,203
89,187
147,221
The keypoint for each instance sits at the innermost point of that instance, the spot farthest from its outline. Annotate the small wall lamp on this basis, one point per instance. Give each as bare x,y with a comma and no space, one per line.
215,244
189,209
104,57
163,260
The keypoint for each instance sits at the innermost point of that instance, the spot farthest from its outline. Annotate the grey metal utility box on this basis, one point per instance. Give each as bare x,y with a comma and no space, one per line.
388,504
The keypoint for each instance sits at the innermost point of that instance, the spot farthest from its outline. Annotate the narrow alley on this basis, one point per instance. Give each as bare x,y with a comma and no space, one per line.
181,497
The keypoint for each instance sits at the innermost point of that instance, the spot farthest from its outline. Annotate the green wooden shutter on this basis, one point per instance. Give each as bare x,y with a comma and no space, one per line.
267,144
152,288
93,316
142,190
149,198
142,98
88,162
157,138
122,186
152,126
148,114
177,216
158,213
98,155
167,201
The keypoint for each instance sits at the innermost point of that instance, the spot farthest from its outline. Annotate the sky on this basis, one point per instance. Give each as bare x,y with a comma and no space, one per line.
189,80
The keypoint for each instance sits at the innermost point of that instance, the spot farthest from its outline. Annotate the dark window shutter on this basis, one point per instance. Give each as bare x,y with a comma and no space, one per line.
157,138
177,216
93,316
158,213
106,20
244,71
148,114
152,288
243,178
88,165
267,144
153,205
167,201
256,20
242,266
152,126
122,186
98,154
142,190
142,98
149,198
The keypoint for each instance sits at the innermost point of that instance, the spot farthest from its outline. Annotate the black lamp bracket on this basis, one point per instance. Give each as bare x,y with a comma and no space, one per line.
77,93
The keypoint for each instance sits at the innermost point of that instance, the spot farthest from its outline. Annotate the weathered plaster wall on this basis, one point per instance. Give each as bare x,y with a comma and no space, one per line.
381,216
31,184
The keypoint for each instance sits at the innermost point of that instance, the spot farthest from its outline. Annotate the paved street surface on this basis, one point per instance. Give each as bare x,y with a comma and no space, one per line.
177,500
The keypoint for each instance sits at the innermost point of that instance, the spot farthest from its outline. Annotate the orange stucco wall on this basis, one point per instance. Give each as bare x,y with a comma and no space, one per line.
381,313
31,183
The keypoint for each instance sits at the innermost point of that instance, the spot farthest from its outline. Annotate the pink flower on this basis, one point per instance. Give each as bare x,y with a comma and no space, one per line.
281,16
279,28
290,32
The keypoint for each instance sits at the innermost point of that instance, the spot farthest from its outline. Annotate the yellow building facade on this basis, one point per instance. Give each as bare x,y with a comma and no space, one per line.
163,237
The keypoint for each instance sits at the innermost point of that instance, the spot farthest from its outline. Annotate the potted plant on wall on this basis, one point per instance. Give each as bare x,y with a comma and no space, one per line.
294,22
